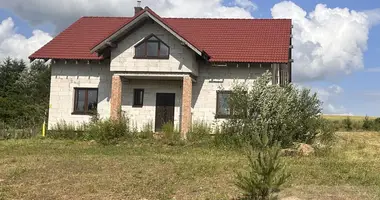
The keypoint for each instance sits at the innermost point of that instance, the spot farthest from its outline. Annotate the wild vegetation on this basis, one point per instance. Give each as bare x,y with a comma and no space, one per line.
243,159
354,123
146,168
24,97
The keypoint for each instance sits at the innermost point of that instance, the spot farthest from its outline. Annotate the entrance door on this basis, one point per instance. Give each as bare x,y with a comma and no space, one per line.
164,109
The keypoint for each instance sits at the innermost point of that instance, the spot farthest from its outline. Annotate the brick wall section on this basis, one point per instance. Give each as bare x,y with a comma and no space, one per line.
187,88
116,97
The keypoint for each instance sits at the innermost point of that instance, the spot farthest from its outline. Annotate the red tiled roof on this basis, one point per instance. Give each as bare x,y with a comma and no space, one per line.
76,41
224,40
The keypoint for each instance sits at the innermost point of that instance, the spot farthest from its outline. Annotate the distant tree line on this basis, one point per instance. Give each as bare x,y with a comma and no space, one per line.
24,93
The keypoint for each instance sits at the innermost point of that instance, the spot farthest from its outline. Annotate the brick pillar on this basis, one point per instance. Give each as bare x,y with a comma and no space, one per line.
187,87
116,97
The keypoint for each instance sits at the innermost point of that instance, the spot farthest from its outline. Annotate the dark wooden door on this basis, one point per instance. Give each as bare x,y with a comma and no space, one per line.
164,109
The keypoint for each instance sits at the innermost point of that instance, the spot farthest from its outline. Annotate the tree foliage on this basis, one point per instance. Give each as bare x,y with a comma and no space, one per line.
292,114
24,92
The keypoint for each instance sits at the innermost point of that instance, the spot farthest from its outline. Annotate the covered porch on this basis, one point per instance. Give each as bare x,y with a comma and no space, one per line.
151,100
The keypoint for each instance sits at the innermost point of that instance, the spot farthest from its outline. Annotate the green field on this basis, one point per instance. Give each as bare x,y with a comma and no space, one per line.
146,169
341,117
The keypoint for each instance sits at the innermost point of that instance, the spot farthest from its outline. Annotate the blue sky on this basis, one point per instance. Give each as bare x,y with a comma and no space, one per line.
356,92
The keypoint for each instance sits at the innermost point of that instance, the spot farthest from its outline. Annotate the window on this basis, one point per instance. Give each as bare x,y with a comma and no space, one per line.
152,47
138,97
85,101
223,109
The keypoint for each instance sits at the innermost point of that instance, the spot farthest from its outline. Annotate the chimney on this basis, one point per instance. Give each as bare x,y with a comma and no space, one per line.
138,8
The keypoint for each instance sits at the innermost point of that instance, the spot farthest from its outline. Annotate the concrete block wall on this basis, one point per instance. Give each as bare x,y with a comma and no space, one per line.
65,77
181,59
141,116
212,79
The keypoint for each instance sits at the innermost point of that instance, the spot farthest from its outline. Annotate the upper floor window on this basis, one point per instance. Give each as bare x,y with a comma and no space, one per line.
152,47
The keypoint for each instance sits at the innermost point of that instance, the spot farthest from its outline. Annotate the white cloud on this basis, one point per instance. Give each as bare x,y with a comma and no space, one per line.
328,95
247,4
327,41
63,13
16,45
373,16
335,89
337,110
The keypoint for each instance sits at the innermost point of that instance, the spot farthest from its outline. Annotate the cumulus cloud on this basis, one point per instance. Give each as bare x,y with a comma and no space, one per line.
327,41
16,45
328,95
373,16
63,13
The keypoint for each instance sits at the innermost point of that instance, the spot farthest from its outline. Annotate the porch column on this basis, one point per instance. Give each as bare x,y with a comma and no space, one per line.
187,87
116,97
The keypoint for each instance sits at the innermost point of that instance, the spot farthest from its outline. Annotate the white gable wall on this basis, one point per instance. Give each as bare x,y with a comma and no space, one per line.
181,59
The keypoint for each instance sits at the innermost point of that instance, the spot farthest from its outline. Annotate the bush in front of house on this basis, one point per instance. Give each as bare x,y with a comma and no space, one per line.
292,114
65,130
200,131
108,131
170,134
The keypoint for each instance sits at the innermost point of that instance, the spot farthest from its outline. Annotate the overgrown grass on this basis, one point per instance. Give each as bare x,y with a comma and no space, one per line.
138,169
342,117
354,123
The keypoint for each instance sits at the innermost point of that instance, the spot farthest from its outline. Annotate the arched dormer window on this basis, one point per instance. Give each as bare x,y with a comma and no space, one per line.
152,48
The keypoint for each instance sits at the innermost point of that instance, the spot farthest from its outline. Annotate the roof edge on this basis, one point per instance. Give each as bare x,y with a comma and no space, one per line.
147,12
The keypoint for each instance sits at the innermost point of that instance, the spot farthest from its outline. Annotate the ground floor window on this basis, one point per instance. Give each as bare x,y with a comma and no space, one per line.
223,109
85,100
138,97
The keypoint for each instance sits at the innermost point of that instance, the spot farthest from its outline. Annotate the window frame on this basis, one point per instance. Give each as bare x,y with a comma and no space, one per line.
76,96
145,42
134,104
217,114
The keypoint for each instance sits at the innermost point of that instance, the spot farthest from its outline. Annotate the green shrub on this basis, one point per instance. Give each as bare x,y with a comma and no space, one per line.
200,130
225,137
376,124
26,133
293,114
64,130
347,124
367,123
108,131
171,135
147,131
266,171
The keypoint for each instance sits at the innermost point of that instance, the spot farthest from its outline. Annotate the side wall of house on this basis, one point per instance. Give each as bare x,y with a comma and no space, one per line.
66,77
181,59
211,79
140,117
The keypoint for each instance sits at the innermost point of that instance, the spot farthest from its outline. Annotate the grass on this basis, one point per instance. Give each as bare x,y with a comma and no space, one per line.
144,169
342,117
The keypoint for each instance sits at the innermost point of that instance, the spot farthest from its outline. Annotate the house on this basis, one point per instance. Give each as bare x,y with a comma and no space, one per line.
160,70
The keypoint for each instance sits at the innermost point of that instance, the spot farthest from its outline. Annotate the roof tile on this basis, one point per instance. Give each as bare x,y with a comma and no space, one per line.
224,40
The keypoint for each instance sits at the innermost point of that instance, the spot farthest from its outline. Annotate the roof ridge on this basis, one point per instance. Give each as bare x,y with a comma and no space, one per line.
210,18
121,17
190,18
